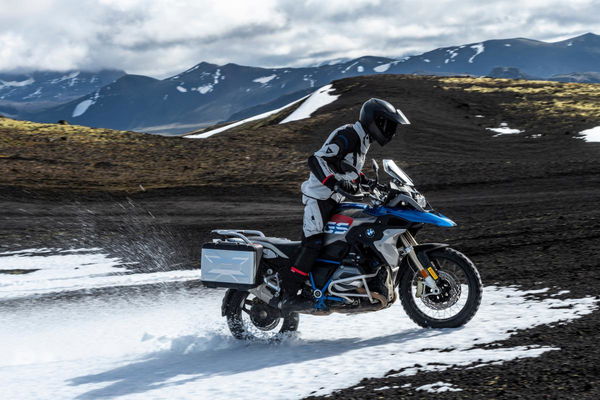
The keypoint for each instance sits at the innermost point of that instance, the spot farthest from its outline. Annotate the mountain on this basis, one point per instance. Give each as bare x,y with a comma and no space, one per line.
41,89
207,94
531,57
200,96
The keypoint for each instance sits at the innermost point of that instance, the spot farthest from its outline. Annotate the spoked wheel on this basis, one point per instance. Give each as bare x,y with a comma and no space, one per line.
249,318
460,296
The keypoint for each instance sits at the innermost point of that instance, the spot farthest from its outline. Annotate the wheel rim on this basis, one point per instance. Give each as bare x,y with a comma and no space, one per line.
257,320
454,283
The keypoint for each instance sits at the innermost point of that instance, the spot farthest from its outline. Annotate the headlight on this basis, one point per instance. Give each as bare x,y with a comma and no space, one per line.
421,200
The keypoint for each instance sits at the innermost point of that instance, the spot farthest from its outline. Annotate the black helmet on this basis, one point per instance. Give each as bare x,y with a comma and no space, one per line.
380,119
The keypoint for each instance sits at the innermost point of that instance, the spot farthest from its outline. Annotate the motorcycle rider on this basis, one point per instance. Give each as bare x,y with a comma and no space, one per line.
330,176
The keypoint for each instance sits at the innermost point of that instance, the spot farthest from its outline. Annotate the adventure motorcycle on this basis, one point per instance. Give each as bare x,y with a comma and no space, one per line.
369,251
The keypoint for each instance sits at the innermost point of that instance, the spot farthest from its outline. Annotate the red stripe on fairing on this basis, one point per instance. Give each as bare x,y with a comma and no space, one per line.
326,179
342,218
296,270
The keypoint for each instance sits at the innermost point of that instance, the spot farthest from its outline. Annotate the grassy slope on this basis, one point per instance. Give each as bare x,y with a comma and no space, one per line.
445,144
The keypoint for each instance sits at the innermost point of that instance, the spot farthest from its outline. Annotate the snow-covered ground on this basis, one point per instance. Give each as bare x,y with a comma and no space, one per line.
58,270
316,100
591,135
174,344
207,134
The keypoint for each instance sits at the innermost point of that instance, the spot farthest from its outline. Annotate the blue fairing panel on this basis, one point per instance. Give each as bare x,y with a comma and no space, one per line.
431,217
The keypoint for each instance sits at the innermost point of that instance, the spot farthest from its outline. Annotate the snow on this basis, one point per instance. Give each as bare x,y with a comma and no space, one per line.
349,67
207,134
316,100
479,48
204,89
426,60
438,387
507,44
479,116
82,107
169,345
16,83
56,270
591,135
181,89
360,68
382,67
264,79
569,44
504,130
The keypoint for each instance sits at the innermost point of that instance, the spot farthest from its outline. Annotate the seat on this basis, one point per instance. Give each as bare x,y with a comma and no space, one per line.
287,247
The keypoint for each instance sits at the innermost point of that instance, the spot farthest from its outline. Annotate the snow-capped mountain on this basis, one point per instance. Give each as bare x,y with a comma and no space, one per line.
207,93
200,96
41,89
531,57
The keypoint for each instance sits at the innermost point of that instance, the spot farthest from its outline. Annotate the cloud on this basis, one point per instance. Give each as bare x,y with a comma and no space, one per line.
163,37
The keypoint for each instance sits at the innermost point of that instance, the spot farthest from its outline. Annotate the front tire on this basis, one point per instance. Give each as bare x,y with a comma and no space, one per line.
249,318
453,308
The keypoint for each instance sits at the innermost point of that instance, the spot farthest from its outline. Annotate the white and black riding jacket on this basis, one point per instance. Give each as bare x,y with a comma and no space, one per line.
347,144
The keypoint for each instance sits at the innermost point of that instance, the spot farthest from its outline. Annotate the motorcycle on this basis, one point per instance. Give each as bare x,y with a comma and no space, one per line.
369,251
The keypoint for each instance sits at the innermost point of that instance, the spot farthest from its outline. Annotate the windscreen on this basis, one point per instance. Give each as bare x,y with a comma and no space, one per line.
390,167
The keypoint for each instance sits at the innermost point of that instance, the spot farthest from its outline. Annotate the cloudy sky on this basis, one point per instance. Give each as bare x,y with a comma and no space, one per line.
163,37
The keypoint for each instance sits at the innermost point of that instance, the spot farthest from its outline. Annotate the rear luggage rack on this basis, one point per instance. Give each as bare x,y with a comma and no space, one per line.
238,233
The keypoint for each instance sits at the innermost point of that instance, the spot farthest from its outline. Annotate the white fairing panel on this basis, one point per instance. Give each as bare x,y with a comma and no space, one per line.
228,266
387,246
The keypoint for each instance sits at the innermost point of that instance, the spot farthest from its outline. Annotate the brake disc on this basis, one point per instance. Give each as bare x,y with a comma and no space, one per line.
449,295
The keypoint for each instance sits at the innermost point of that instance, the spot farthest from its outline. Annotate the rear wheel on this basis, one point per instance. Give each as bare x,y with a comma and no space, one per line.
249,318
460,296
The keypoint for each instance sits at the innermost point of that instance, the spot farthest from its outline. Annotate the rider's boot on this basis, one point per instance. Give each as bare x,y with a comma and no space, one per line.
293,279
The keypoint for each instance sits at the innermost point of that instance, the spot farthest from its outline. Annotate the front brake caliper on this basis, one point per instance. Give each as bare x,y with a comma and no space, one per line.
420,288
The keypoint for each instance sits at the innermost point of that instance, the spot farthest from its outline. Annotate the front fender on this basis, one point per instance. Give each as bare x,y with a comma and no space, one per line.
422,250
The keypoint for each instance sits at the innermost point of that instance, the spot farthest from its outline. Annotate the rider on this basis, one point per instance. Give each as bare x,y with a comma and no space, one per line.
331,175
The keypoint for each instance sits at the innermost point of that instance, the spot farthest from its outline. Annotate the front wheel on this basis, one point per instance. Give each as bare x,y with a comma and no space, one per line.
460,296
249,318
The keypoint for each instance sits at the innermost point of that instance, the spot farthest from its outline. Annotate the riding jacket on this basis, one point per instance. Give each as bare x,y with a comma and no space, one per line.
347,144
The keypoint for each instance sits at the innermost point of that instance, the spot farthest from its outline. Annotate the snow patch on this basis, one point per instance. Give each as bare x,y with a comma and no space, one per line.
181,89
360,68
569,44
479,48
507,44
316,100
348,67
16,83
204,89
82,107
504,130
207,134
264,79
591,135
382,67
438,387
426,60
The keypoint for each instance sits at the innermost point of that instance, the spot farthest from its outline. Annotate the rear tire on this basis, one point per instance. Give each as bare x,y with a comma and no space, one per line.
245,323
417,308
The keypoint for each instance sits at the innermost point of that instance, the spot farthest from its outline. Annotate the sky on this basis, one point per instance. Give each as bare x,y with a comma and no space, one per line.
160,38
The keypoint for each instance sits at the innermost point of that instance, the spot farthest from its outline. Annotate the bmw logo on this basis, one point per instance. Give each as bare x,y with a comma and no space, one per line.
370,232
